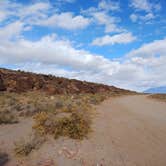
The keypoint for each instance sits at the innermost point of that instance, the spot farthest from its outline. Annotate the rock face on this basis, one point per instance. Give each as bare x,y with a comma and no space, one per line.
19,81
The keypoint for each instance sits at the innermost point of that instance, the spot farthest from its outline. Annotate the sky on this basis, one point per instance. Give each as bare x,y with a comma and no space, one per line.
120,43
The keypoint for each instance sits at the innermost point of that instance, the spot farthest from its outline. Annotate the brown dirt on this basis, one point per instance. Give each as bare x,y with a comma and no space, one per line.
128,131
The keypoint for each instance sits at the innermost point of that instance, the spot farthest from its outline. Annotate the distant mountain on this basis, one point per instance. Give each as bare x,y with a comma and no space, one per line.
161,89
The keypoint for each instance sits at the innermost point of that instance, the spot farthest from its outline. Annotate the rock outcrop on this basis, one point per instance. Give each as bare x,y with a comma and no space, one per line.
19,81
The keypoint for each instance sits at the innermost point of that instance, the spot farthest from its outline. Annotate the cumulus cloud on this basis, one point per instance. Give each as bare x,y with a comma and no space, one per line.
122,38
109,5
151,58
39,13
3,15
49,50
150,9
108,21
137,17
11,31
101,15
134,17
66,21
34,9
145,5
18,10
155,48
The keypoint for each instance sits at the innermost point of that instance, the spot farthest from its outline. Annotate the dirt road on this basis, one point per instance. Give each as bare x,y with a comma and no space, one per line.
127,131
130,131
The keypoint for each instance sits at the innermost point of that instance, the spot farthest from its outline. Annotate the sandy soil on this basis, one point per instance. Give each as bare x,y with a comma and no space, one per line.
128,131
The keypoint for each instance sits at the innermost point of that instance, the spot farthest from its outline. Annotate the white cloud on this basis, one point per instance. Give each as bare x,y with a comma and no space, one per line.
109,5
66,21
134,17
26,14
42,13
35,11
150,11
22,12
3,15
155,48
148,16
138,17
151,59
145,5
50,50
122,38
11,31
141,5
35,8
101,15
108,21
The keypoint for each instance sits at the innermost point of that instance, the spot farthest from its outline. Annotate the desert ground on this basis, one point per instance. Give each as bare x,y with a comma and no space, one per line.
127,131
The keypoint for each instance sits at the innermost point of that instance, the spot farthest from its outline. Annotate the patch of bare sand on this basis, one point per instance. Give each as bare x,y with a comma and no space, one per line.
11,133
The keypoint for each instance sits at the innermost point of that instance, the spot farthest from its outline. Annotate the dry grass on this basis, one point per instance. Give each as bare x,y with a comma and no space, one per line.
160,97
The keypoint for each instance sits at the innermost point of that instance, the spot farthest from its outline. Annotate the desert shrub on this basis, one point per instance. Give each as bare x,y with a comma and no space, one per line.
73,124
93,98
28,110
4,158
12,101
96,99
40,120
16,107
76,127
25,147
69,107
7,118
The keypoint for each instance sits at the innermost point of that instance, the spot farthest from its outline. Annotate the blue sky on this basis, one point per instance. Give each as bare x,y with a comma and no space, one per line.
121,43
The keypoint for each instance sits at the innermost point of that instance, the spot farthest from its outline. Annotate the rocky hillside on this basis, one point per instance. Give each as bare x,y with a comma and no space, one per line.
19,81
